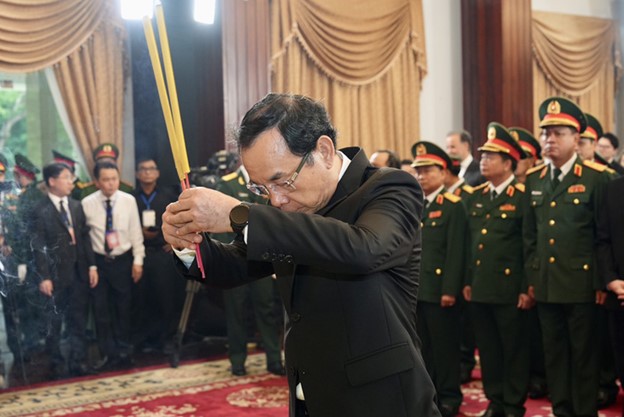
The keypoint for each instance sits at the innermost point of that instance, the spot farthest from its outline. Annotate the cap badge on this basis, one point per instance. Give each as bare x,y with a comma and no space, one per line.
492,133
514,135
554,107
421,149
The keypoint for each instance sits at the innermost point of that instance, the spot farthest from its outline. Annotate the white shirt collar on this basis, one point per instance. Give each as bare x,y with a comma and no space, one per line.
464,164
503,186
565,168
455,186
345,164
433,195
57,200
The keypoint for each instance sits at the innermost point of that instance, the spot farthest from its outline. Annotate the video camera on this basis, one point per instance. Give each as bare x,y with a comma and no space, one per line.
219,164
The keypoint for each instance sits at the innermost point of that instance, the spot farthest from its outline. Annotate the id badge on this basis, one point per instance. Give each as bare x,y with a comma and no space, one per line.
149,218
112,239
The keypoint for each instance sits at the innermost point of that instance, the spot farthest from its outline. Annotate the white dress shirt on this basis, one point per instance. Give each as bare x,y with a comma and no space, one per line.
463,165
502,187
56,200
126,223
565,168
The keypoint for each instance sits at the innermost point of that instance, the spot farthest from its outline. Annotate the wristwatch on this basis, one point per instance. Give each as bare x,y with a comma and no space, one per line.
239,217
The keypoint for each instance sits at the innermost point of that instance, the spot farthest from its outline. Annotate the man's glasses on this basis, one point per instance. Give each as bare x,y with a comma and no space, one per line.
286,186
148,169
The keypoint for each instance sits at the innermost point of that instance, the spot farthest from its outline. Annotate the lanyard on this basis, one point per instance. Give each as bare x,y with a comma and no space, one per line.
148,201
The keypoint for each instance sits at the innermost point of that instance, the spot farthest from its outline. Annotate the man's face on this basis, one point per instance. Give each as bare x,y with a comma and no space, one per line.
270,163
586,149
108,182
560,143
606,149
147,172
523,166
62,185
409,168
379,159
456,148
430,178
493,166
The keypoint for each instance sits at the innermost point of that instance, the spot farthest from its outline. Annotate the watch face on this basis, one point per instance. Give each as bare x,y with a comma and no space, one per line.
239,216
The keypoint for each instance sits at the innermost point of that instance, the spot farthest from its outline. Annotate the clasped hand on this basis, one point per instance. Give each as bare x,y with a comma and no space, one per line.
197,210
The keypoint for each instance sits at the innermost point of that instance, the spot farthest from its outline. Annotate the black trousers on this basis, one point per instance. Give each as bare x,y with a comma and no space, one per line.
112,303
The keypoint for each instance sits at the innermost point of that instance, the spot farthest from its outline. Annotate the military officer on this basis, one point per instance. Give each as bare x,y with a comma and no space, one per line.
259,292
442,275
531,148
496,287
71,163
587,143
563,198
105,151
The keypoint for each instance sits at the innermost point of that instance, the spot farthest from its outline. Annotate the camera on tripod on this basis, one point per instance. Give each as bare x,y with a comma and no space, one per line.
219,164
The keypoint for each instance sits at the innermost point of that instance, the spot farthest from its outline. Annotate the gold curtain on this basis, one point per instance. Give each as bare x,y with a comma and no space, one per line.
364,59
84,41
577,57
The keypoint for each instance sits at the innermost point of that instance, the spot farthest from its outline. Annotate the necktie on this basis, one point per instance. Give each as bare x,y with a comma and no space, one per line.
555,180
493,195
109,225
64,214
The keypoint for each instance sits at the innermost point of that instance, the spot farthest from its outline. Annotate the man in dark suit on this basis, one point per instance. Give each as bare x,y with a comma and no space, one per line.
611,265
459,145
607,147
343,239
66,265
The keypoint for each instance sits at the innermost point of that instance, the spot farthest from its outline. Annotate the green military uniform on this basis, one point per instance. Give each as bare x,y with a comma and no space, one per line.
559,235
441,273
105,150
260,292
496,280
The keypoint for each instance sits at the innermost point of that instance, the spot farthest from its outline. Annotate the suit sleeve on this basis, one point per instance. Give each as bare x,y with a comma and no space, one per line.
39,244
604,251
381,234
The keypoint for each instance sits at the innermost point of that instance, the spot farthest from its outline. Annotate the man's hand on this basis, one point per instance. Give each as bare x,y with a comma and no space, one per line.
525,302
467,292
447,301
46,287
198,210
137,272
601,297
94,277
617,286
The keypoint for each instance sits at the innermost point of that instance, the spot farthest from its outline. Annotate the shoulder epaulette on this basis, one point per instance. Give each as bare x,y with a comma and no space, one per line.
230,176
82,185
595,166
520,186
467,188
481,186
535,169
452,197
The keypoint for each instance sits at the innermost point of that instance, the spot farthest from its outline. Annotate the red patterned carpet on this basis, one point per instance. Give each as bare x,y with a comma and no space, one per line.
200,389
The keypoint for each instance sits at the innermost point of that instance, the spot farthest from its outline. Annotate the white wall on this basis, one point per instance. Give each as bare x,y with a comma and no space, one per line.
441,108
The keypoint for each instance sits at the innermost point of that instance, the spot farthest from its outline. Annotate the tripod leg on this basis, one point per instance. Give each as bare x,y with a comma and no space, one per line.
191,289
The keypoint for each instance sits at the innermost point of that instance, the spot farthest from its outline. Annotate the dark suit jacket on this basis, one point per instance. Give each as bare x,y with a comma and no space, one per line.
55,256
611,235
348,278
473,176
619,169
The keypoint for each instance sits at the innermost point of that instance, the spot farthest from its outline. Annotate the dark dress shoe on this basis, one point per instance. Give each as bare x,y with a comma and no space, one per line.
537,390
276,369
605,398
239,370
81,369
448,410
465,375
107,363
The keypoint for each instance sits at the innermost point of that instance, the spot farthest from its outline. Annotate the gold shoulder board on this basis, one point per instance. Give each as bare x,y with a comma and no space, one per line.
535,169
452,197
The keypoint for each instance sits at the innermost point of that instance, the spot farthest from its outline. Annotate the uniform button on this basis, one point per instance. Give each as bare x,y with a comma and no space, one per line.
553,204
288,259
507,271
438,271
484,231
480,246
478,262
433,223
504,215
551,259
551,242
576,201
487,216
422,225
586,267
534,203
265,256
551,222
295,317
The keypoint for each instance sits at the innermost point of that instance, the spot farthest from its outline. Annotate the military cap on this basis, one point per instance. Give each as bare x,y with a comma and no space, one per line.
59,157
105,150
24,167
528,143
559,111
455,167
593,130
4,164
427,154
501,141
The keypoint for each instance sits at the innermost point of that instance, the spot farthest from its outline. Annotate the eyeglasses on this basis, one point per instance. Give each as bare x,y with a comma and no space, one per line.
66,178
286,186
147,169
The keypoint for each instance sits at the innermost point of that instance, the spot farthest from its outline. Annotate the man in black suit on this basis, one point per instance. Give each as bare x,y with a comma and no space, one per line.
459,145
343,239
611,264
66,265
607,147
